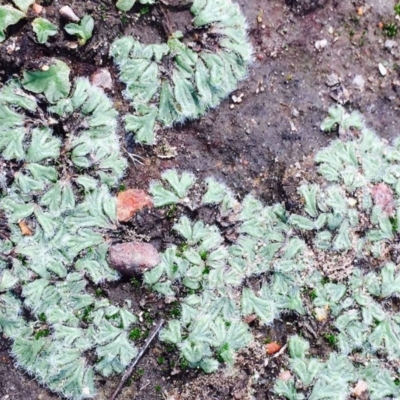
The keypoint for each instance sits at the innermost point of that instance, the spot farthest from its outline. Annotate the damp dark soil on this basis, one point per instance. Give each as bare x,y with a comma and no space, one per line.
308,56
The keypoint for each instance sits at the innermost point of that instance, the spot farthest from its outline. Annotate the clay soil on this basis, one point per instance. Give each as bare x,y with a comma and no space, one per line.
258,145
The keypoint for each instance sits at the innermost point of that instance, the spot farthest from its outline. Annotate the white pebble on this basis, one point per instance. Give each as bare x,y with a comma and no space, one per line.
382,69
68,13
321,44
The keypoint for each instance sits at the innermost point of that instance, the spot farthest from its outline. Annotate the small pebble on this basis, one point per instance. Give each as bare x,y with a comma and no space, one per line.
382,69
285,375
68,13
37,8
130,201
389,44
72,45
295,113
352,201
272,348
133,258
102,78
359,82
238,99
321,44
360,388
332,80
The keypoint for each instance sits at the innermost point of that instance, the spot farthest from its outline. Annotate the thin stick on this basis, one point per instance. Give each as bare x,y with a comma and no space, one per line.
129,371
280,351
134,157
144,386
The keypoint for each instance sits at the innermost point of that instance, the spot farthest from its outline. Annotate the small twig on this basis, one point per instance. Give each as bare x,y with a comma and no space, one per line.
165,21
134,157
280,351
3,235
144,386
129,371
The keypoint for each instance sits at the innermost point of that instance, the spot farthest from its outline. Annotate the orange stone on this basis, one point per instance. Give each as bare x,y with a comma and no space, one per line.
130,201
272,348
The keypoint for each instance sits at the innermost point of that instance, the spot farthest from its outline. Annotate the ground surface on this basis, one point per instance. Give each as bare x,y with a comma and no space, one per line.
249,145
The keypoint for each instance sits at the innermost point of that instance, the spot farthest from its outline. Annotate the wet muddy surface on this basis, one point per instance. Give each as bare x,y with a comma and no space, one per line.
308,56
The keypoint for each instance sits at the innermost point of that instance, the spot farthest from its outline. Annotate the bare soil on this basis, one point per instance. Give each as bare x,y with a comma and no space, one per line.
253,146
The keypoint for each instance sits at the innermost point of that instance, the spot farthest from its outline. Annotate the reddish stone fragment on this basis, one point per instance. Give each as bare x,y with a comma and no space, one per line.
130,202
272,348
383,198
133,258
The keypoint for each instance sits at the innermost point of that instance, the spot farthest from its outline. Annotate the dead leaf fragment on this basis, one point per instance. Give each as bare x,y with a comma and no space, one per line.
166,151
25,230
321,313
